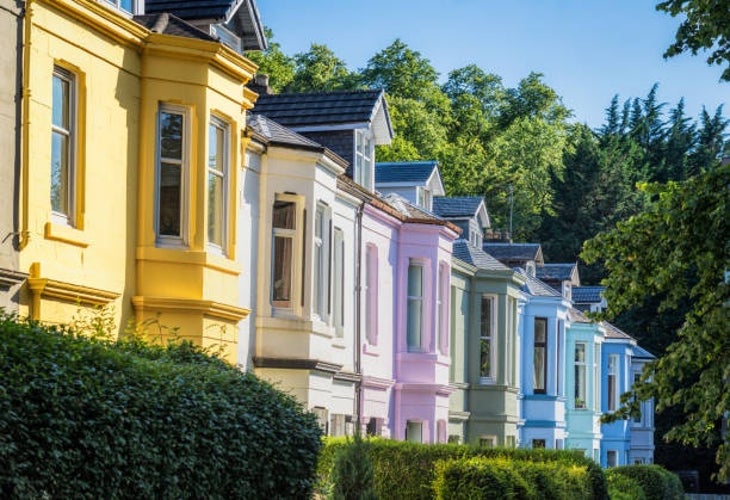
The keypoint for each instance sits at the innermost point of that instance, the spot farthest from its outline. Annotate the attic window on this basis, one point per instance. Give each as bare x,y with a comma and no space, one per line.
128,6
364,158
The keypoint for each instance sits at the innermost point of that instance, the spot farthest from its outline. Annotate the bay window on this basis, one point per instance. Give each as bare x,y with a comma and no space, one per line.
284,224
321,296
539,372
63,145
612,385
339,282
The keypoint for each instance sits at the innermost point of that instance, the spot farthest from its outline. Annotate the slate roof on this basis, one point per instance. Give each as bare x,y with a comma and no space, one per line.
466,252
404,171
555,272
513,251
534,286
457,206
276,134
640,352
169,24
577,316
587,294
242,13
320,108
613,332
409,210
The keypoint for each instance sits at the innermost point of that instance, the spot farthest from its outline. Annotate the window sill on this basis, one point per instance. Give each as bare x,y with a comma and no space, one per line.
184,255
65,234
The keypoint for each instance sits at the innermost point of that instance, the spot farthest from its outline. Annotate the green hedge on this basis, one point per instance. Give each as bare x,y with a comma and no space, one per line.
622,487
89,418
479,477
410,468
656,482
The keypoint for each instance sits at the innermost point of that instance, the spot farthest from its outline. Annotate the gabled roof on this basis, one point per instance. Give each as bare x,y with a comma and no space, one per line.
274,133
576,316
241,16
410,210
514,251
169,24
613,332
534,286
461,207
466,252
588,294
329,111
415,172
641,353
558,272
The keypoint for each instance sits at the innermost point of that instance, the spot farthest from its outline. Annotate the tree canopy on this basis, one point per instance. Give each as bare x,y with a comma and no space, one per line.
678,251
706,27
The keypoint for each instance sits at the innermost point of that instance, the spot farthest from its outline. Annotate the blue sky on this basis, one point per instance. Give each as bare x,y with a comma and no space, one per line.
588,50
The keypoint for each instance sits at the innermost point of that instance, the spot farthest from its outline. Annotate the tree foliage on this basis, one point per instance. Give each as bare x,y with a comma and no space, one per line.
706,27
678,250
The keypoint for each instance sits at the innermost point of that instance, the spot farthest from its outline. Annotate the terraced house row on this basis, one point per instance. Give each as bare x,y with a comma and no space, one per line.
149,169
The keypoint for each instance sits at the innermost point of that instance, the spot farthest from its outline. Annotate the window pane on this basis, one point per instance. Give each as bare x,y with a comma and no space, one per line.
126,5
540,327
284,215
59,173
486,317
414,324
169,213
171,129
282,270
61,100
539,372
215,209
415,279
485,361
217,145
580,353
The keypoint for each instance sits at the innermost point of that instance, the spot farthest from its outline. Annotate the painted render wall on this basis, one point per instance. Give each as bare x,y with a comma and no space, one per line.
459,410
616,435
11,24
544,414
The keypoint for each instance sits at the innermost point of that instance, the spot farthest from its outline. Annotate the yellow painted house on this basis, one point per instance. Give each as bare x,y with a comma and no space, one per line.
132,136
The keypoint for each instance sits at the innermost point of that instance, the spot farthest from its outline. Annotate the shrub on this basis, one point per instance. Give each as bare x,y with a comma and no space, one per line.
657,482
623,487
409,468
479,477
353,472
94,418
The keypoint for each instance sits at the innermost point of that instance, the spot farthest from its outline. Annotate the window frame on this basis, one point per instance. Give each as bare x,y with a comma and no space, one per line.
321,262
416,424
371,293
612,388
338,277
596,377
364,167
413,300
544,346
490,339
165,240
295,234
442,307
224,175
580,391
67,216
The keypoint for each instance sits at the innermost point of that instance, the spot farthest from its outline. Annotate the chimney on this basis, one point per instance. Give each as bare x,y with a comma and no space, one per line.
260,84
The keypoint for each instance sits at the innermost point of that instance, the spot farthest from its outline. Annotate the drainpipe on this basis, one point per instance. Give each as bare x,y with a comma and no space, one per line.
358,316
22,193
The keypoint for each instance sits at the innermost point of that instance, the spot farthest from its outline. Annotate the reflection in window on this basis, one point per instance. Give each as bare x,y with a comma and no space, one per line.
217,181
284,231
415,307
63,111
486,339
171,164
580,375
539,374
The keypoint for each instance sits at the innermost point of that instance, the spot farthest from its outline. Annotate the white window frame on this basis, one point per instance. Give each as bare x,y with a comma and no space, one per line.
612,388
338,277
184,166
490,339
596,378
69,134
222,173
544,345
295,234
364,168
414,431
424,197
580,391
371,294
442,307
488,441
137,6
321,261
413,300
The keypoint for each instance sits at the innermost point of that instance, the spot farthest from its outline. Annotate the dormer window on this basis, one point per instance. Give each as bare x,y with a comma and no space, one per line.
424,197
530,269
364,158
127,6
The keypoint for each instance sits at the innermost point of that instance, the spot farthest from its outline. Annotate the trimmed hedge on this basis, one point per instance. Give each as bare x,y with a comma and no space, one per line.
622,487
92,418
479,477
656,482
410,468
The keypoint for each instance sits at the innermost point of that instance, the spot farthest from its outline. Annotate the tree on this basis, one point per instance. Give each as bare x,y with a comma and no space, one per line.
274,62
678,250
706,27
320,70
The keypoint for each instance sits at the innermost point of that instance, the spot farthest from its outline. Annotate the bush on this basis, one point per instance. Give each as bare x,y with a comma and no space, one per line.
656,482
353,472
479,477
94,418
410,468
622,487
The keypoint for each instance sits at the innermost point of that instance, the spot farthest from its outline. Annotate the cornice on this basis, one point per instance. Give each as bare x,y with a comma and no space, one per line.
208,308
